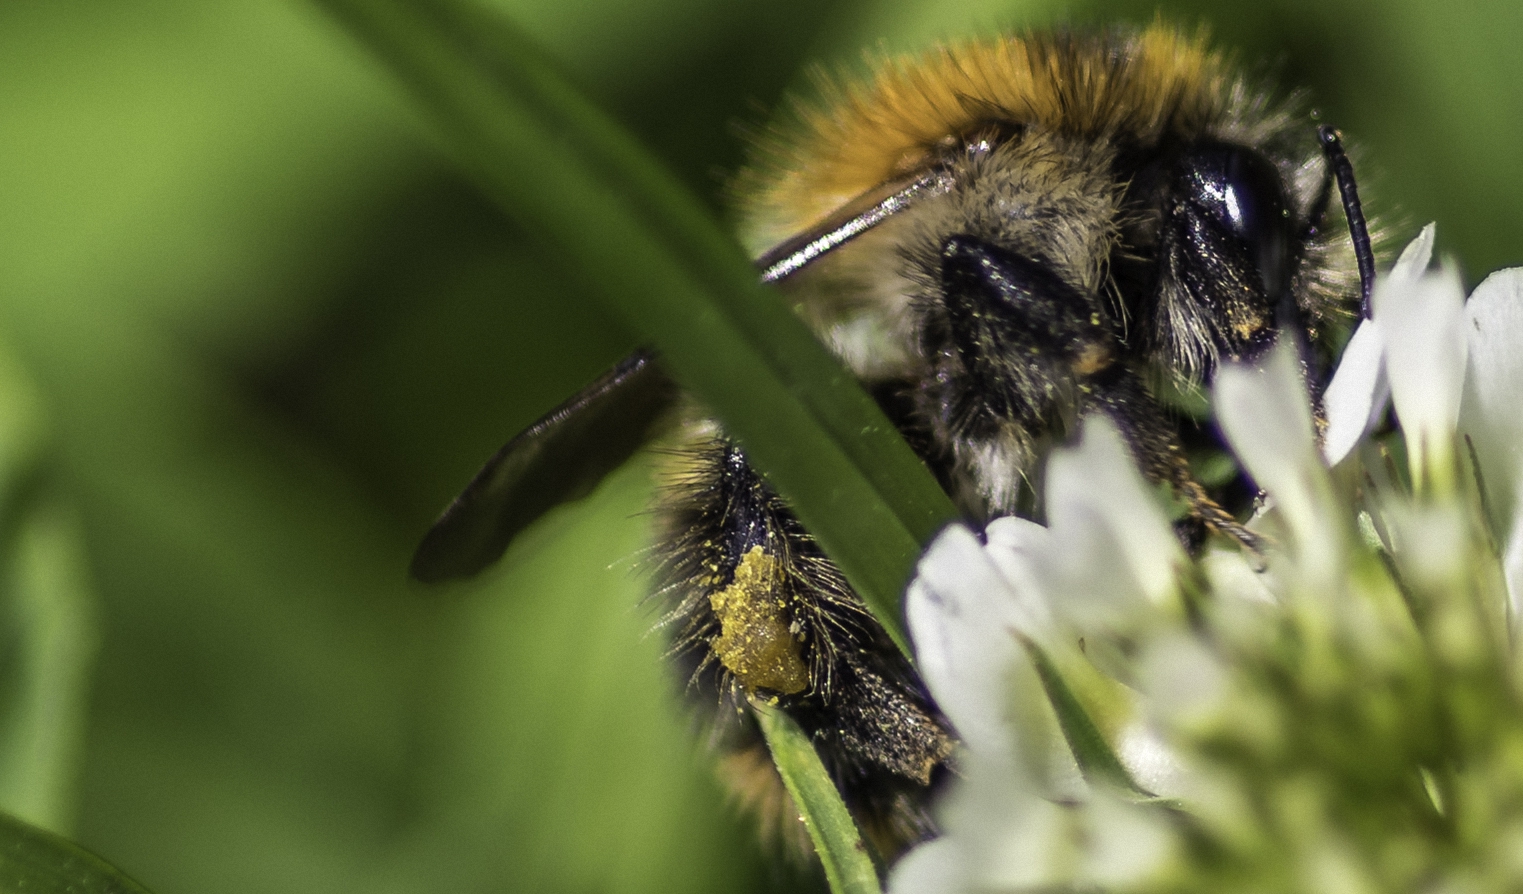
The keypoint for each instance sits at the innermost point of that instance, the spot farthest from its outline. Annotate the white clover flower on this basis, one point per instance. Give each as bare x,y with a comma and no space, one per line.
977,613
1458,368
1356,398
1344,714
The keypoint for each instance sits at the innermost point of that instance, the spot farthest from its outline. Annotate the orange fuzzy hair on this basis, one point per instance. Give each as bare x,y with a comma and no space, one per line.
863,136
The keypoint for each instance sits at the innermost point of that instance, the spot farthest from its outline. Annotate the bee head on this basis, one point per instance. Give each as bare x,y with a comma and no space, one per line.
1227,252
1011,331
1010,267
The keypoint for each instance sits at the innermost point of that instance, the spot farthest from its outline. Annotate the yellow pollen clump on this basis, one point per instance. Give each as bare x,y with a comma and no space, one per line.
754,643
1245,322
1091,360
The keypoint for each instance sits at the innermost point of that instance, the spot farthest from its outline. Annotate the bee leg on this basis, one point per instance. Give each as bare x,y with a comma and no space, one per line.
1209,512
762,615
1161,456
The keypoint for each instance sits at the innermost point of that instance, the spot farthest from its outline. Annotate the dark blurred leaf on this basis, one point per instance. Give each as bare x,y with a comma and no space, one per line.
624,226
37,862
49,605
46,618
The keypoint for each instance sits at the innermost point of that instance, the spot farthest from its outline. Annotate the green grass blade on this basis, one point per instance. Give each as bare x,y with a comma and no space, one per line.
39,862
835,836
618,222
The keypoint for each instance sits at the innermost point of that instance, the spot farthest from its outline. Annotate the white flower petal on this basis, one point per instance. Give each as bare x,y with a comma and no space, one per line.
1110,529
1184,682
1018,548
935,867
1433,540
1011,837
1231,575
1512,574
1510,540
1492,410
1356,397
1415,258
964,616
1125,844
1264,411
1420,323
1152,763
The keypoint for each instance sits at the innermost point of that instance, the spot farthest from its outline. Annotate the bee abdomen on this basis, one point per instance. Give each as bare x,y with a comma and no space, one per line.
761,615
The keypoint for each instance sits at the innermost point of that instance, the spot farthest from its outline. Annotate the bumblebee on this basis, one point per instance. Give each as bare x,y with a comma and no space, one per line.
998,239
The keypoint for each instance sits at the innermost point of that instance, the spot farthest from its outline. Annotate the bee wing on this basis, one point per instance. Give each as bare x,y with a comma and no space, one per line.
559,458
568,451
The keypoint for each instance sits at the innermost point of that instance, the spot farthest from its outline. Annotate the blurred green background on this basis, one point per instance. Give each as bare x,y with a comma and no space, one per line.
255,331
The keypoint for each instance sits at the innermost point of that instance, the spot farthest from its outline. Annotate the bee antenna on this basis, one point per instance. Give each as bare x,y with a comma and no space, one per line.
791,256
1343,170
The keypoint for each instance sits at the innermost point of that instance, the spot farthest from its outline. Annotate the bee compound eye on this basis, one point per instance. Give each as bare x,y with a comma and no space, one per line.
1234,208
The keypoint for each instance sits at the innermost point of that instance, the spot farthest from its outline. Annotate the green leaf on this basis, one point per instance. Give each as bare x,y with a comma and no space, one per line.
612,217
38,862
835,836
